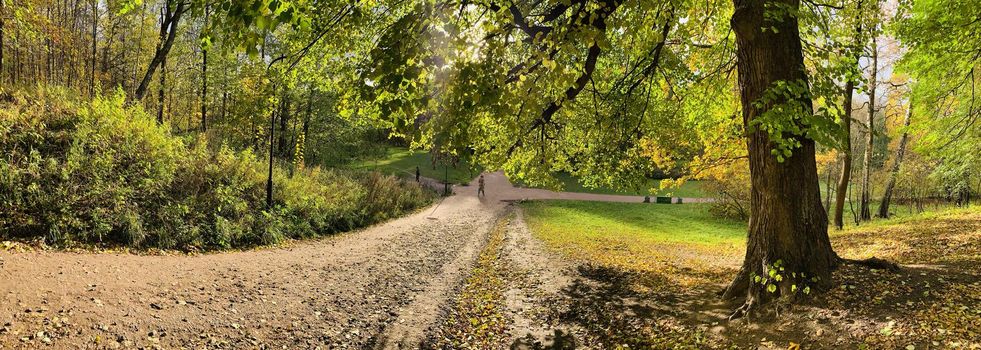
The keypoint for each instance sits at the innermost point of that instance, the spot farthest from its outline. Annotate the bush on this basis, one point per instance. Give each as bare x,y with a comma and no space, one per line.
100,172
730,186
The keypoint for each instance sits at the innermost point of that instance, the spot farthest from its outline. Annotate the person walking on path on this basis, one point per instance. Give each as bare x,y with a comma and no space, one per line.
480,187
417,173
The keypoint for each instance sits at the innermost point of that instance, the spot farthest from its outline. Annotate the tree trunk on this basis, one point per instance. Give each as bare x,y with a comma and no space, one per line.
168,31
284,117
306,119
224,88
204,78
269,179
3,10
15,69
95,41
160,97
139,48
846,165
900,152
788,226
865,212
827,192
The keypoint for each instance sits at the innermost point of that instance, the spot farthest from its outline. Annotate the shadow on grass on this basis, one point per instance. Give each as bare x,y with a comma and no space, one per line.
608,308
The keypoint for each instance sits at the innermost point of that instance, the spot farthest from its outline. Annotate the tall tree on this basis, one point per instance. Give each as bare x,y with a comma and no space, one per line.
3,14
170,19
204,75
897,161
163,75
844,179
788,227
944,41
95,41
865,211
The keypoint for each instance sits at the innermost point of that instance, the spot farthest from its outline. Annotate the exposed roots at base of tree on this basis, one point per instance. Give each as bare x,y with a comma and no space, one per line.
759,305
743,310
754,300
874,263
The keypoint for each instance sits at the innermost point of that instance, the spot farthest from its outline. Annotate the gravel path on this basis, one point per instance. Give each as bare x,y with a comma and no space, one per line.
499,188
376,288
381,287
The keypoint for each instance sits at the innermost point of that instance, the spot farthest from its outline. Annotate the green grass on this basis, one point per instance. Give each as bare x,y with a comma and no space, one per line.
403,162
681,244
677,256
690,189
684,223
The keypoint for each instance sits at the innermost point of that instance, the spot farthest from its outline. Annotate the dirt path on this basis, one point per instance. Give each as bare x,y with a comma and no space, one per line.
381,287
499,188
377,288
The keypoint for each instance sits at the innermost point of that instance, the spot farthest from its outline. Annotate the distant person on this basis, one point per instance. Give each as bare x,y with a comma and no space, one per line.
480,187
417,173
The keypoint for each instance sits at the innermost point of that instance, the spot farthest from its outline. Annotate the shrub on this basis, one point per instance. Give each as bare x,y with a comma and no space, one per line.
730,186
100,172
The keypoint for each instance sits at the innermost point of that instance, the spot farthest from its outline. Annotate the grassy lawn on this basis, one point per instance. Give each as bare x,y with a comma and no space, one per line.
403,162
637,236
674,258
690,189
686,223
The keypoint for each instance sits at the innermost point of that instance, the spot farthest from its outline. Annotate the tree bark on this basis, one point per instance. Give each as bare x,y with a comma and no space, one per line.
306,119
900,152
865,211
788,226
846,165
163,80
95,41
284,117
827,192
168,31
269,179
3,10
204,78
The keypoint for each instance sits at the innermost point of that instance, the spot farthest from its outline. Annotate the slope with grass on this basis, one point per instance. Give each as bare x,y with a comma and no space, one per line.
402,162
661,239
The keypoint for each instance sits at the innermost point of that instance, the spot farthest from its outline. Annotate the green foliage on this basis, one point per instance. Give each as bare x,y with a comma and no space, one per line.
776,276
790,117
105,173
944,38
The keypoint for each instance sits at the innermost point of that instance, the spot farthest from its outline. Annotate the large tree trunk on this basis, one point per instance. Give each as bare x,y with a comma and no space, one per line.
865,211
900,152
168,31
788,226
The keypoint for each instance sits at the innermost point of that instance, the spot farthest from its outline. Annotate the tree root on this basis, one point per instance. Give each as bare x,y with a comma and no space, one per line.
874,263
743,311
